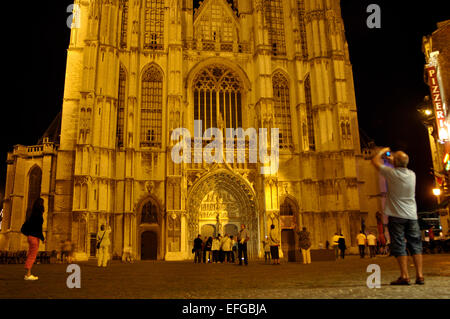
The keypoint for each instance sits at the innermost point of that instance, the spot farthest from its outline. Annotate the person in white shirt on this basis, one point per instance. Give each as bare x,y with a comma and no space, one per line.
401,208
215,249
372,242
226,247
105,243
361,240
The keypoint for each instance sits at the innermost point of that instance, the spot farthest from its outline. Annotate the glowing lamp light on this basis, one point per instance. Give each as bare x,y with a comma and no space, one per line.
443,134
436,191
428,112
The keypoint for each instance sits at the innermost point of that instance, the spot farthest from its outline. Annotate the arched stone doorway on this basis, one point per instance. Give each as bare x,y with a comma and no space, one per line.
288,244
149,245
208,230
288,220
150,226
225,200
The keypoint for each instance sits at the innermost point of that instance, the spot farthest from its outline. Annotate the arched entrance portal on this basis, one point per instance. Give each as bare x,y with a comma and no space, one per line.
288,244
222,201
149,245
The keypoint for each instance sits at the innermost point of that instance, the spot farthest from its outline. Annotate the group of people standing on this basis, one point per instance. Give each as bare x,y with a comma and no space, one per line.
272,244
222,249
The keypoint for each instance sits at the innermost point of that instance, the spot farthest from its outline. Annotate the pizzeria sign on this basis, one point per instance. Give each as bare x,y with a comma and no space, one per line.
437,103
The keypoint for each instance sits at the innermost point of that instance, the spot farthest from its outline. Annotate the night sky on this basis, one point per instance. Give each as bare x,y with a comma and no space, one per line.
387,66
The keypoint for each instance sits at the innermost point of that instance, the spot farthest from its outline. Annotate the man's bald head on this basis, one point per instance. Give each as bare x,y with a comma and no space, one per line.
401,159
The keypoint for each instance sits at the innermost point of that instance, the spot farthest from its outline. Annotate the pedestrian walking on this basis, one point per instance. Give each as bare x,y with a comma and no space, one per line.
335,240
361,240
103,245
372,243
32,228
304,242
243,237
401,208
274,242
341,245
198,249
215,249
266,250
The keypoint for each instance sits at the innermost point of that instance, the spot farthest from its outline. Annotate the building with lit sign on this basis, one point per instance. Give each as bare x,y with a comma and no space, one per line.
436,48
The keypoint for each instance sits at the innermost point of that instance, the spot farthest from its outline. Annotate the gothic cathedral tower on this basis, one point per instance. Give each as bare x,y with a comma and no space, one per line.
139,69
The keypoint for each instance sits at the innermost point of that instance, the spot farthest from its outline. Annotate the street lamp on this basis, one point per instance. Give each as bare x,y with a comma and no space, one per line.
436,191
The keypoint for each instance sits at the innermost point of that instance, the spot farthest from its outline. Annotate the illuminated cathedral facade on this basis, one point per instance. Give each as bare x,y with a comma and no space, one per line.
139,69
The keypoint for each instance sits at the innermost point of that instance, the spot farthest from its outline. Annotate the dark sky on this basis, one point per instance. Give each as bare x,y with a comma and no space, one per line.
387,66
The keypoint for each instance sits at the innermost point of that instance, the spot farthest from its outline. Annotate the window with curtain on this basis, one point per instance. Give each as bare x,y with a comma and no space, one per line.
151,108
124,24
309,114
218,98
121,107
282,109
273,11
154,25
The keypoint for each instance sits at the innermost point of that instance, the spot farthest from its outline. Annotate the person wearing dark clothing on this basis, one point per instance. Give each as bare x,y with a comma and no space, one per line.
341,245
304,242
208,246
32,228
204,249
243,237
198,249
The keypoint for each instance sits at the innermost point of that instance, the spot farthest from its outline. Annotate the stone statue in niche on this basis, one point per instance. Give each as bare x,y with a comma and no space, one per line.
149,214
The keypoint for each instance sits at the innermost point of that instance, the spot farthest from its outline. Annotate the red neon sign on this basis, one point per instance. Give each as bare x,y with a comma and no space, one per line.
437,103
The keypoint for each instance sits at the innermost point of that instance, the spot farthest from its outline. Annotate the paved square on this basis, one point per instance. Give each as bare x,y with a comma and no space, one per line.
186,280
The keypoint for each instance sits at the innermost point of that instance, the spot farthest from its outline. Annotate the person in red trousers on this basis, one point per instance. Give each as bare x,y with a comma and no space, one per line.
32,228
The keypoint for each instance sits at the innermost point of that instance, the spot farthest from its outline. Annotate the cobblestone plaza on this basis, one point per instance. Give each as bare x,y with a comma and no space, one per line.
344,279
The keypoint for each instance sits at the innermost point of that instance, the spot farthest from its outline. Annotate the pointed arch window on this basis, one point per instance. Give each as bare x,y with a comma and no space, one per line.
151,108
273,11
34,188
309,114
218,98
154,25
282,109
149,214
124,25
121,107
287,208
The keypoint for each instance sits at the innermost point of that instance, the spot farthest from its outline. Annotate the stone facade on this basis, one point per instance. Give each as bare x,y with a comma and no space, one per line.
436,48
137,70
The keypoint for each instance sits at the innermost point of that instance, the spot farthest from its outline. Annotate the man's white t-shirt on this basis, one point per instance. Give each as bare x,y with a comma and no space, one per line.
401,192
